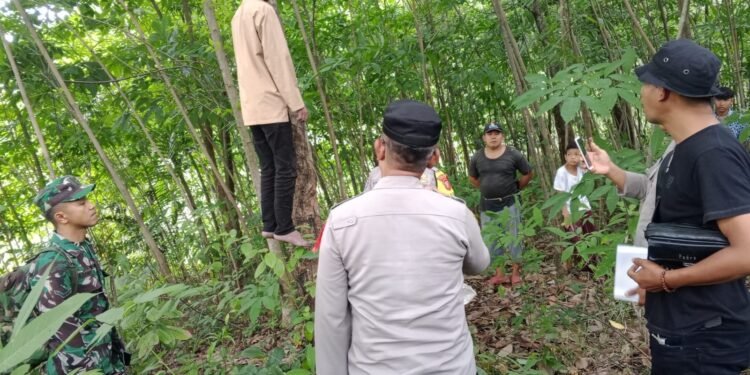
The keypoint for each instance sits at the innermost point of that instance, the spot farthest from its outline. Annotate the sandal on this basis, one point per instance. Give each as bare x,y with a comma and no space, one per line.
497,280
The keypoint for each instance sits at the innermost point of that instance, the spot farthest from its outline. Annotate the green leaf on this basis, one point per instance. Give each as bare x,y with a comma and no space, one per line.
156,293
299,371
629,97
598,106
101,332
570,108
253,352
536,79
612,199
29,303
601,190
35,334
111,316
259,271
608,99
628,59
528,97
146,343
255,310
273,262
549,104
179,333
21,370
567,253
248,251
657,140
310,357
309,331
600,83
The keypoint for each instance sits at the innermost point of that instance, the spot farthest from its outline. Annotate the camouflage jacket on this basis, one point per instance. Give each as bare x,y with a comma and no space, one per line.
78,353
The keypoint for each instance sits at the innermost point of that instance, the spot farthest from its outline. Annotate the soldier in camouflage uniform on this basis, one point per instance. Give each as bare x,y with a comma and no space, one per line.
63,202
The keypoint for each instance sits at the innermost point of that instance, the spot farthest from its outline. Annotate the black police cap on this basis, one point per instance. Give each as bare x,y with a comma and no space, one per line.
412,123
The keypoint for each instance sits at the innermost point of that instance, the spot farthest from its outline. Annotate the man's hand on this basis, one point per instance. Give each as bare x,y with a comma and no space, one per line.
647,274
641,295
301,115
599,159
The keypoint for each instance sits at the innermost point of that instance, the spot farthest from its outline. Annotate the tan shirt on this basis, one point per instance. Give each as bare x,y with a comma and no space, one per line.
265,72
390,273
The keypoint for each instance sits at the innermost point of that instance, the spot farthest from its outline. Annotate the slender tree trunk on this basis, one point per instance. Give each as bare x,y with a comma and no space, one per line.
313,57
546,166
637,26
186,117
165,161
76,112
664,19
224,201
156,8
27,104
683,30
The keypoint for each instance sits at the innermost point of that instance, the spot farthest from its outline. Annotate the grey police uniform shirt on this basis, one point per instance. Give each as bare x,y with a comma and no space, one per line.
643,187
390,272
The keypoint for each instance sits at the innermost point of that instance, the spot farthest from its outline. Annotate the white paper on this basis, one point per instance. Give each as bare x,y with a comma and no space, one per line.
467,293
623,282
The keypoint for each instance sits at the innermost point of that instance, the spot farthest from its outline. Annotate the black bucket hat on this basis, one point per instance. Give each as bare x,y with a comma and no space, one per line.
684,67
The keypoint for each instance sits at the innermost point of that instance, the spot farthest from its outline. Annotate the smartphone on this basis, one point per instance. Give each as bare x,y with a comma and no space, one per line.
584,153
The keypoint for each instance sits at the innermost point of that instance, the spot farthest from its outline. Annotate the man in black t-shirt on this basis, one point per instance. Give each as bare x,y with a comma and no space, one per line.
493,171
698,316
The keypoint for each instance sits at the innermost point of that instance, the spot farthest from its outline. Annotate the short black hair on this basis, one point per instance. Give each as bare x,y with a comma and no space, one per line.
570,146
724,93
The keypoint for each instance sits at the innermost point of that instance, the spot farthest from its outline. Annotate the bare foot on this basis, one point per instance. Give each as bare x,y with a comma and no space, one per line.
294,238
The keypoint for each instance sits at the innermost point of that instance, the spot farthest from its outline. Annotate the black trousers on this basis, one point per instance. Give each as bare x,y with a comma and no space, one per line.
716,351
278,175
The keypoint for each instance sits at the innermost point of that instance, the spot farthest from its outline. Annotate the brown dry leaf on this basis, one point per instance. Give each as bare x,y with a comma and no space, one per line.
576,299
583,363
506,351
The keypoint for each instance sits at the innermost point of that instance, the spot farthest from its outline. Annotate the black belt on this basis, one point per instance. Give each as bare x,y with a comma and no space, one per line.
501,199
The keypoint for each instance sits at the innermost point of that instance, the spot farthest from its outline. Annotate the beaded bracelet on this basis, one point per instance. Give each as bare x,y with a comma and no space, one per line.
664,282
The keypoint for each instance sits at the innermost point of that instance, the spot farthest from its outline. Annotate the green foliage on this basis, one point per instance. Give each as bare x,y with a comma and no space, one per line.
597,86
36,333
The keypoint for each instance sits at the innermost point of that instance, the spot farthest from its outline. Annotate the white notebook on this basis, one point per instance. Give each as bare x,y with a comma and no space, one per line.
623,282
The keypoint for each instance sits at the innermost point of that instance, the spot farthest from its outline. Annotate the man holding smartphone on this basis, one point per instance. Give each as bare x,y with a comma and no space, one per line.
698,316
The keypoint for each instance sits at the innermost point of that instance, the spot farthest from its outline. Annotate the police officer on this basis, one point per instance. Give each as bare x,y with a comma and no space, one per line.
388,297
63,202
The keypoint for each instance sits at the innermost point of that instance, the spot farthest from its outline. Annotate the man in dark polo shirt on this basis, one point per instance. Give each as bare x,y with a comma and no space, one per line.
698,316
493,170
